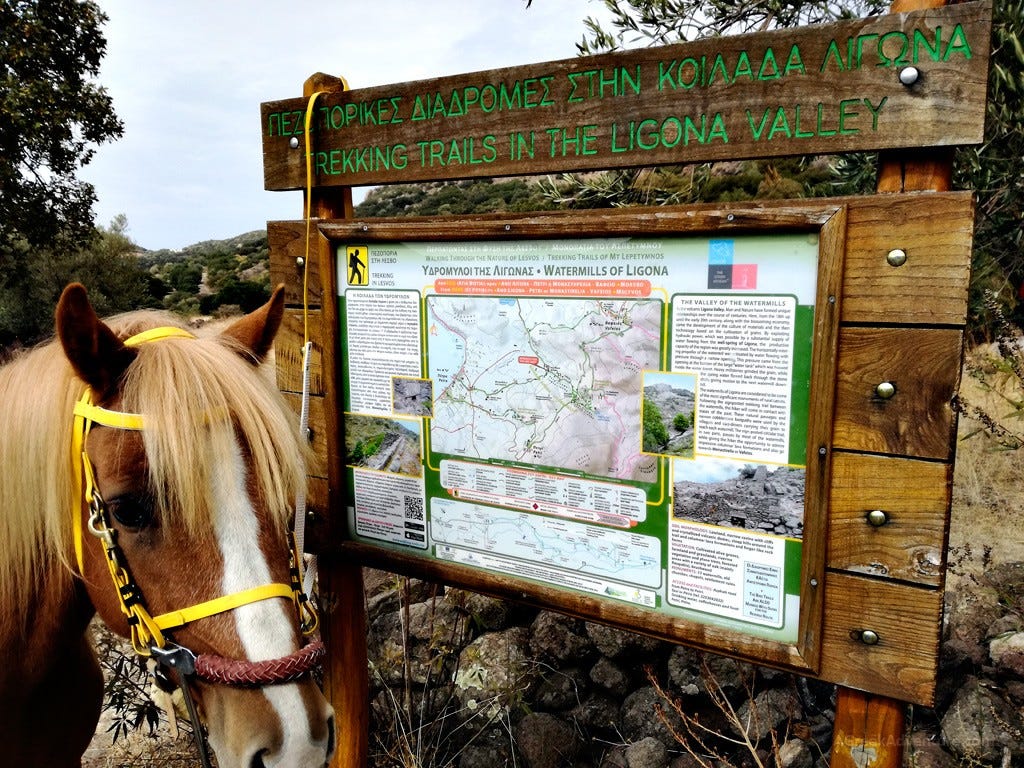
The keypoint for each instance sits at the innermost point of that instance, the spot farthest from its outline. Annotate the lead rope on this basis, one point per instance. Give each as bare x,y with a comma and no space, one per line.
307,348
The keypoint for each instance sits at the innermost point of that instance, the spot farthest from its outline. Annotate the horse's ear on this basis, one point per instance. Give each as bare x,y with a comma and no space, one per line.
95,352
256,331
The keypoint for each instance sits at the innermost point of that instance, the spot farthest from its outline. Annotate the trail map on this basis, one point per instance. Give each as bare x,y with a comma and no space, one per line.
554,382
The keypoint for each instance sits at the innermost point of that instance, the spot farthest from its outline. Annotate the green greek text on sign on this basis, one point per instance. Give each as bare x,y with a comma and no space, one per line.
834,88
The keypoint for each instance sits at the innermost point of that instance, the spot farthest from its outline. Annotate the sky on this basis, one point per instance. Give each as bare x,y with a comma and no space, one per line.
187,79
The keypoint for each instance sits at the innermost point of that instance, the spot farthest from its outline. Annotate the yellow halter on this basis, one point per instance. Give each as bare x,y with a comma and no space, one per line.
146,630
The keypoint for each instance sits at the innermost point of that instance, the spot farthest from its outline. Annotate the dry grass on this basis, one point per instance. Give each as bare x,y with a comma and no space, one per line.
985,528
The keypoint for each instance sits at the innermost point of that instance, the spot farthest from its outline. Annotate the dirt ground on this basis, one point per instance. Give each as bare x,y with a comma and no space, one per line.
988,506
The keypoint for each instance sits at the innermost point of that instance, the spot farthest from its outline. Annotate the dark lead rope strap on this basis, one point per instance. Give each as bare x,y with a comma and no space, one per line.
198,732
216,669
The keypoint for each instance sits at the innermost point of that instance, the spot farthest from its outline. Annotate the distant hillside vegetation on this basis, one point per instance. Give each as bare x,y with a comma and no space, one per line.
214,276
226,276
447,198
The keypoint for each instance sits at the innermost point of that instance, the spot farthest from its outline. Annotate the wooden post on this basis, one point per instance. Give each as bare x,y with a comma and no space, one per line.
343,603
869,730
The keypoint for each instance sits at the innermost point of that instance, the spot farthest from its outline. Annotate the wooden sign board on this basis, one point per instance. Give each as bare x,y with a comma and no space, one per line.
480,394
910,79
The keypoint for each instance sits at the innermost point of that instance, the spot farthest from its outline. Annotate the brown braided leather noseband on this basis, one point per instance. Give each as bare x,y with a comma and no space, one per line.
241,672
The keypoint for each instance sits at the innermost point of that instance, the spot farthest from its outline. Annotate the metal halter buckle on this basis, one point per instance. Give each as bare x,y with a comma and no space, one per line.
98,523
176,657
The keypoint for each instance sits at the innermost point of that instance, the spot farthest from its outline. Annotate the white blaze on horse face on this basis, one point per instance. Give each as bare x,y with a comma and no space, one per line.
265,627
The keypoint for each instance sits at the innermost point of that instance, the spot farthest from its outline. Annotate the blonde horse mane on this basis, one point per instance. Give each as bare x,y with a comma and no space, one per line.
182,387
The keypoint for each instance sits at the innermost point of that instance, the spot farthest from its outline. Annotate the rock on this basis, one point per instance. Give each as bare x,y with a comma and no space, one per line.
546,741
559,639
494,671
980,725
385,592
487,613
492,748
730,675
436,631
598,714
1015,692
1004,624
685,761
684,670
646,753
690,670
608,675
437,622
614,758
795,754
767,711
970,611
385,651
613,643
1007,653
560,689
639,716
923,751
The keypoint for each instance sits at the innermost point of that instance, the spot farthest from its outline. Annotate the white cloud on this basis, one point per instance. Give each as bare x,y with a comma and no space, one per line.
188,78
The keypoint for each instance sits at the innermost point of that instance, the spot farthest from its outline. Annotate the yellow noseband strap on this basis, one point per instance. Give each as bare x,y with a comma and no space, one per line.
180,618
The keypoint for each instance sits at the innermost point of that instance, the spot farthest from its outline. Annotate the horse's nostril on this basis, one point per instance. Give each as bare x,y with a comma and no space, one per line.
257,759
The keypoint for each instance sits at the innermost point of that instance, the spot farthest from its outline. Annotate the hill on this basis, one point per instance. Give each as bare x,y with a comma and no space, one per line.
213,276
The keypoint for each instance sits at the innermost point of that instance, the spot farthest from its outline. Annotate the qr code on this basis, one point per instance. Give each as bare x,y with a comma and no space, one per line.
413,508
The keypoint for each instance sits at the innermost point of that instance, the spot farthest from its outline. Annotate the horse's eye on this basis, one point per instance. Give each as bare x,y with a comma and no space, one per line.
131,511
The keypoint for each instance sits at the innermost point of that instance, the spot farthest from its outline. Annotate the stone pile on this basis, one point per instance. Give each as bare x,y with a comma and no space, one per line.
465,680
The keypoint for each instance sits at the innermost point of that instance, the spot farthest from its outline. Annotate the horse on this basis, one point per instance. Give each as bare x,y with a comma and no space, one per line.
147,476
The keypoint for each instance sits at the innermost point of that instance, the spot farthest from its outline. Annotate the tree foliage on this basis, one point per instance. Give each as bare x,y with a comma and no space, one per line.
661,22
655,436
995,169
32,279
682,421
454,198
54,115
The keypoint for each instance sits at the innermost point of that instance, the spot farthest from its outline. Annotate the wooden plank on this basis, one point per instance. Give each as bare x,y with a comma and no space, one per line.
318,462
612,612
923,366
819,419
287,242
343,606
915,170
931,286
904,661
914,497
346,675
704,218
288,349
868,731
815,90
319,528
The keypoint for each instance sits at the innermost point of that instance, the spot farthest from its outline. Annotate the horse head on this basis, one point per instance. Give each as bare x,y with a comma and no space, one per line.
190,464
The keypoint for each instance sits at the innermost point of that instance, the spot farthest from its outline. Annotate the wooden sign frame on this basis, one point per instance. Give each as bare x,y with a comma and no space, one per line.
875,322
825,222
896,334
